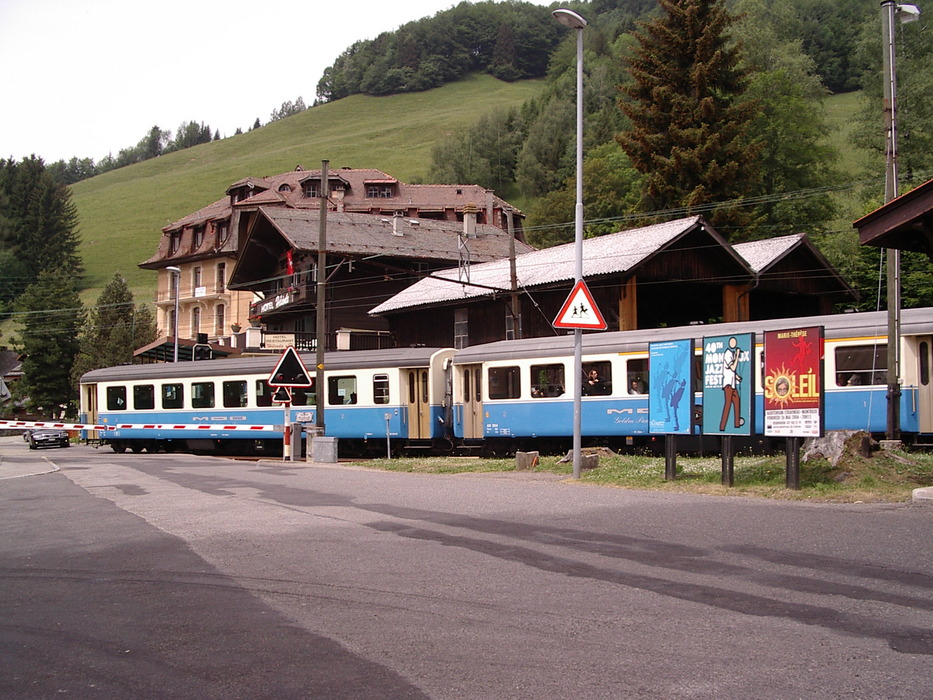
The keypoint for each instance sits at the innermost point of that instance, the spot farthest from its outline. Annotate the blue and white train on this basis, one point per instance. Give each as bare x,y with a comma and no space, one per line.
495,398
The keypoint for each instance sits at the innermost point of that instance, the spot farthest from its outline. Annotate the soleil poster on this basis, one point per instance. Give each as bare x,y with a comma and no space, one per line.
793,382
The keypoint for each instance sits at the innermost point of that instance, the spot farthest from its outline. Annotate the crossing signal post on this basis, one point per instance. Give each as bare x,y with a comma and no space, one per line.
289,373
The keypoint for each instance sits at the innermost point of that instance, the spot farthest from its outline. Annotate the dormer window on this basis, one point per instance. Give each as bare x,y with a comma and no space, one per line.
311,189
378,191
220,232
198,238
285,187
174,242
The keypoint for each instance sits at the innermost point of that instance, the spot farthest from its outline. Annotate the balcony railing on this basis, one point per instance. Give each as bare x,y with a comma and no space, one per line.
167,298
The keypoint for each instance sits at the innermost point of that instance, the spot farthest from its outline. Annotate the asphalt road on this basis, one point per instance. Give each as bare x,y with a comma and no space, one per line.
172,576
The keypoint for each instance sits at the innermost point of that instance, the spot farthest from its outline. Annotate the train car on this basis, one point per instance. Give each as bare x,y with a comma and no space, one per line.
397,395
512,395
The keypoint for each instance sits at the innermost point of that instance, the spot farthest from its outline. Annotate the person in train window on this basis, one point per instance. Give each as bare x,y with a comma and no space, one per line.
594,385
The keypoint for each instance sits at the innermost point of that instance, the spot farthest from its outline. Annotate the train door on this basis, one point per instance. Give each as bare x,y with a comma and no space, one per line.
925,384
472,386
419,410
90,410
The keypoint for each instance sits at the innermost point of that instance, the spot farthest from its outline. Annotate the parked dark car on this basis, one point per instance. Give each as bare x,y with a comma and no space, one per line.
47,437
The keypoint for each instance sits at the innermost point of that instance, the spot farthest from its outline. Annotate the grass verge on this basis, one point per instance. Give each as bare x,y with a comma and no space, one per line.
886,477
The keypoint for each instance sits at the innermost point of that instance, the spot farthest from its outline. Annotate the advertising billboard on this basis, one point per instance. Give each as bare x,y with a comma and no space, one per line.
793,382
728,384
670,381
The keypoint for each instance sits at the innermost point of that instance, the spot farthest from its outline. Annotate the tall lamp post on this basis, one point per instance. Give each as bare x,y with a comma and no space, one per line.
905,13
571,19
176,277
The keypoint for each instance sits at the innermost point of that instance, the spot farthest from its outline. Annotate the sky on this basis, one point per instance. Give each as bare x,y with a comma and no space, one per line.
88,77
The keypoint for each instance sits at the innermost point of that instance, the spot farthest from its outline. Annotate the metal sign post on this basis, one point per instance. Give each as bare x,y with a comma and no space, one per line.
289,372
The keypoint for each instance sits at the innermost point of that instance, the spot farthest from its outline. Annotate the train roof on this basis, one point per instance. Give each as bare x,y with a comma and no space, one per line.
340,360
913,322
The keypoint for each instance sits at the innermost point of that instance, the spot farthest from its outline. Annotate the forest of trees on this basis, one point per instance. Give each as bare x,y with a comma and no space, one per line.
40,277
712,107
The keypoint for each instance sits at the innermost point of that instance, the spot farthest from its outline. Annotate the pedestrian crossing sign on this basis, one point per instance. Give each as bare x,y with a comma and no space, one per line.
580,311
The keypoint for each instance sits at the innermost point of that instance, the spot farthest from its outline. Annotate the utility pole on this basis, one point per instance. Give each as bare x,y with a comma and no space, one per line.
319,318
906,13
515,310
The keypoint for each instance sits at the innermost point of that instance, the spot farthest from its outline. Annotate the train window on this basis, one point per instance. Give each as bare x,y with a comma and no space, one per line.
597,379
547,380
341,390
424,386
411,388
303,396
263,393
116,398
202,395
234,394
924,363
144,397
466,385
504,383
861,364
173,396
478,384
637,376
381,388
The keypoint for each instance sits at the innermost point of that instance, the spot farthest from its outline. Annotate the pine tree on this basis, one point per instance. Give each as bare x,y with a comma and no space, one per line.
39,220
689,126
50,313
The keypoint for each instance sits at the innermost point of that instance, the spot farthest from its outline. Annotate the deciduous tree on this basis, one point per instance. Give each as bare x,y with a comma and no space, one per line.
116,326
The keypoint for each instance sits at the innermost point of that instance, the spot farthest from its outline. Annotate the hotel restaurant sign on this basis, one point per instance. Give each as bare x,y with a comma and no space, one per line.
277,302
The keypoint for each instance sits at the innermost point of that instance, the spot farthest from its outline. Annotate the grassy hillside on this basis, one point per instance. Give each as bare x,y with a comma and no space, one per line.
122,212
840,111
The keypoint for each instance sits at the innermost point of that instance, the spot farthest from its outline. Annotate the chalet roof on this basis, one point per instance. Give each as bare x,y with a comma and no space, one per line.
604,255
373,235
370,234
355,180
905,223
216,210
426,198
761,254
10,363
765,256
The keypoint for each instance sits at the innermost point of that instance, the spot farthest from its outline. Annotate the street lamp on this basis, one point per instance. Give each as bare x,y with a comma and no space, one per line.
571,19
176,278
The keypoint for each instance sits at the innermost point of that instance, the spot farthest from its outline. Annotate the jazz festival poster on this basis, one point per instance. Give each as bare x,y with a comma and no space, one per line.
728,384
793,382
670,396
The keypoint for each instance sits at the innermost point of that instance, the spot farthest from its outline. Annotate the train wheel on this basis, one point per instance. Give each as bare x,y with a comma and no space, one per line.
118,447
136,447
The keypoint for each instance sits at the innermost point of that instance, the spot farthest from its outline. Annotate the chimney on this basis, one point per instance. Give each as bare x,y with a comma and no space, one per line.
469,220
396,229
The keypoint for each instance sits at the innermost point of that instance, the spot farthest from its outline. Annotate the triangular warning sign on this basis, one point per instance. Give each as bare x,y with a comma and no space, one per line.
282,395
290,371
580,311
